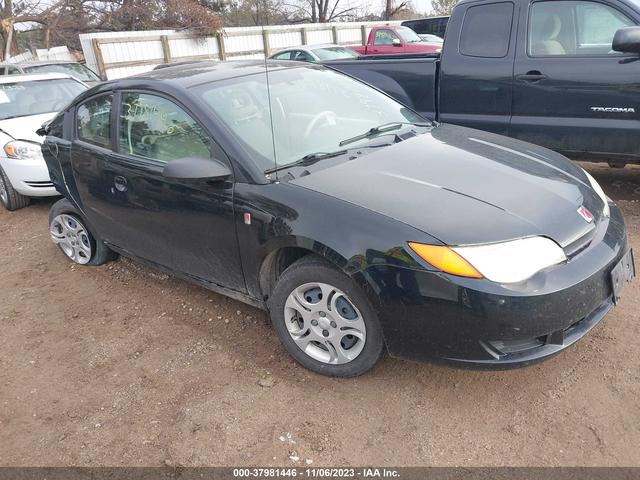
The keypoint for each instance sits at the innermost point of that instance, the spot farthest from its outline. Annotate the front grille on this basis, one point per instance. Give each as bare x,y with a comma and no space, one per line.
580,244
46,184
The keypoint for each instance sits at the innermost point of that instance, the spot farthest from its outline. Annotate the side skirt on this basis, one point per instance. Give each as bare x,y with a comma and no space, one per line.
214,287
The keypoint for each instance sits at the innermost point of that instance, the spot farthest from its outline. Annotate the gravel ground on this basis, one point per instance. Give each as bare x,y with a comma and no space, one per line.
121,365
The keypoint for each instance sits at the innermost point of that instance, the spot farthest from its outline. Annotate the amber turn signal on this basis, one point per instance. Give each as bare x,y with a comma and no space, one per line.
445,259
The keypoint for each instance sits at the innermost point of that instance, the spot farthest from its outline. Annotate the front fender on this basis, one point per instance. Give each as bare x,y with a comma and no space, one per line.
350,237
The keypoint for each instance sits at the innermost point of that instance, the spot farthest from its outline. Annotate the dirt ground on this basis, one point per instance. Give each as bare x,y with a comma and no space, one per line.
121,365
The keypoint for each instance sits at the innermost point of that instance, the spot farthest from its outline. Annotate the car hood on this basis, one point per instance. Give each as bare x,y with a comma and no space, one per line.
24,128
465,186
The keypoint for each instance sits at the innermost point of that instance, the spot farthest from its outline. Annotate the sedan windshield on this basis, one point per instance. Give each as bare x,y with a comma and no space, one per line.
74,69
37,96
408,35
334,53
313,110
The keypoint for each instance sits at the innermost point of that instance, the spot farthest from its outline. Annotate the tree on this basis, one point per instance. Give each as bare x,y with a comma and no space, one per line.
392,9
60,21
443,7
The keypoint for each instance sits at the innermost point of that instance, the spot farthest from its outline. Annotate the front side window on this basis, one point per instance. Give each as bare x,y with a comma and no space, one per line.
301,56
13,71
156,128
312,110
384,37
93,120
563,28
486,30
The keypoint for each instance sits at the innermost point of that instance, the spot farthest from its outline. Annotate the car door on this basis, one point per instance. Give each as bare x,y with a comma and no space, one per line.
184,225
477,73
383,42
572,92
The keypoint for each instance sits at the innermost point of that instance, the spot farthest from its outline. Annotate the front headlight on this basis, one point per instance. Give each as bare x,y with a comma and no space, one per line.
505,262
23,150
606,211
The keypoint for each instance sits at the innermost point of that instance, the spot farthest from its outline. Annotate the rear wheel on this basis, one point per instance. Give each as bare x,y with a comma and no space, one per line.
324,320
10,199
69,232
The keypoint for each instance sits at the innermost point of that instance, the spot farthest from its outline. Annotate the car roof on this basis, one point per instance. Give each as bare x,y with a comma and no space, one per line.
211,71
35,63
28,77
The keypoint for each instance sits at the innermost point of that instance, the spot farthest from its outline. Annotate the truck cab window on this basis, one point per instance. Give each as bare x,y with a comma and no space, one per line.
384,37
562,28
486,30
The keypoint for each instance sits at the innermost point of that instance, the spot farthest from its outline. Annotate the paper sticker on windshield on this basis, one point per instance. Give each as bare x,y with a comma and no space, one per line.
3,97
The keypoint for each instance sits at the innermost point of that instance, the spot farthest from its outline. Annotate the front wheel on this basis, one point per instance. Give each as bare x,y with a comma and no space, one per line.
68,230
324,320
10,199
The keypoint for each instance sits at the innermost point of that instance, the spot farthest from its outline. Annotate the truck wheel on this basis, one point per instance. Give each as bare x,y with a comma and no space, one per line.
10,199
324,320
70,233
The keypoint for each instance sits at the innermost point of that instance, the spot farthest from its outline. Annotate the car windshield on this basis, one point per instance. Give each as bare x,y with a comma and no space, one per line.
34,97
408,35
334,53
76,70
314,109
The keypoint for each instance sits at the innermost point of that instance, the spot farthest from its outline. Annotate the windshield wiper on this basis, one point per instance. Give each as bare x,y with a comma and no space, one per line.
308,159
372,132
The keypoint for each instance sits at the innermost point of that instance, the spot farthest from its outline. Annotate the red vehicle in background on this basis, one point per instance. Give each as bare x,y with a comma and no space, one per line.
390,39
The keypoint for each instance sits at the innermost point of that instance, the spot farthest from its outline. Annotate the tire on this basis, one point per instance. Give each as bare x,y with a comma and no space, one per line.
10,199
304,309
71,234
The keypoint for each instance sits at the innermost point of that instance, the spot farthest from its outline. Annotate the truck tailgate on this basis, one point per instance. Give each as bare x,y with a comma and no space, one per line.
411,81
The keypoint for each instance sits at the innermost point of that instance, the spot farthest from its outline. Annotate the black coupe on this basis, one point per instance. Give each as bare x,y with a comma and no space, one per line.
360,226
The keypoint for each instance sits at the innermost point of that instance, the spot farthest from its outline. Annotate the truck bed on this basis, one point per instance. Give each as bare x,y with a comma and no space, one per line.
410,79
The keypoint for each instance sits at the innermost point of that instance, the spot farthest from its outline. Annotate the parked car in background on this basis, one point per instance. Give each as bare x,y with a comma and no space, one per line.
315,53
433,25
390,40
562,74
428,37
76,70
360,226
26,102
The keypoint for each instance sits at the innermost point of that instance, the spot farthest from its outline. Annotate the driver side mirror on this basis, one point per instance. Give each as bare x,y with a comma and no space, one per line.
627,40
196,168
396,42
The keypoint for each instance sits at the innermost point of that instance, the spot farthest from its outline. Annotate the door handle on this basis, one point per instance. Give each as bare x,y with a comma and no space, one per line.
532,76
120,183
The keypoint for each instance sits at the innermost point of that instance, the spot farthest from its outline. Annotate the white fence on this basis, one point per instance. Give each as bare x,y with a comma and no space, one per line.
55,53
119,54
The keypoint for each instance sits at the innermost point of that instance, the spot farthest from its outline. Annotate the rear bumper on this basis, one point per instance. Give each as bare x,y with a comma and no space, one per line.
428,315
29,177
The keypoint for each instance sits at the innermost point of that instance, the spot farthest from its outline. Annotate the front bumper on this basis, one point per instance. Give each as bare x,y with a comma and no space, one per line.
29,177
429,315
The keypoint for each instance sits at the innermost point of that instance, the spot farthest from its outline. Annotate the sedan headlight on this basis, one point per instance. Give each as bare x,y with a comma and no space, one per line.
606,211
23,150
505,262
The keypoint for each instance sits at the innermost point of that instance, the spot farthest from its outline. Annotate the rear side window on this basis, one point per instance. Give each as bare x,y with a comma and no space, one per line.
156,128
283,56
93,119
486,30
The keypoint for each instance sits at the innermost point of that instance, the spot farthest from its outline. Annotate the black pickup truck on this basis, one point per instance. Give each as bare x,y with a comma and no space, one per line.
564,74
